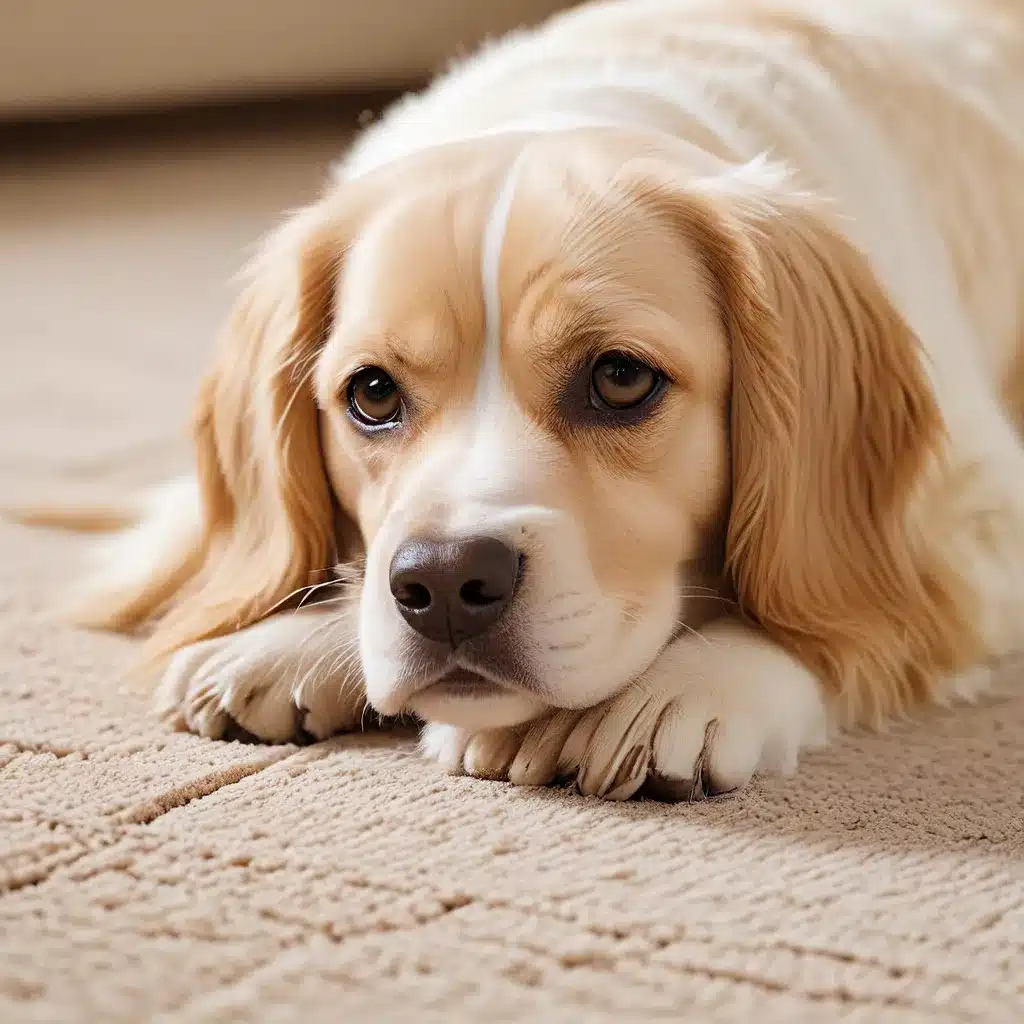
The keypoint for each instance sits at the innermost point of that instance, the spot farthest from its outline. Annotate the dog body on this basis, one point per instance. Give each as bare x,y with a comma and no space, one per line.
658,371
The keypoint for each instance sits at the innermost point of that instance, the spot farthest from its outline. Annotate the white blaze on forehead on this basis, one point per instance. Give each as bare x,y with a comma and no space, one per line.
489,384
491,454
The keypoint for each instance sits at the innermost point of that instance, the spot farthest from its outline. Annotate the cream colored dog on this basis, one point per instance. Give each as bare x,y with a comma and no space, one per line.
639,400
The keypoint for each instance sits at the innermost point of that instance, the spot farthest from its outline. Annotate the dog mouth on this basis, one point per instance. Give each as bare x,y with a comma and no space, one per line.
470,700
468,695
463,684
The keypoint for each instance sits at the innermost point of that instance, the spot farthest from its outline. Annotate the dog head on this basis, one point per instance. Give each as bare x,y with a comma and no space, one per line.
564,395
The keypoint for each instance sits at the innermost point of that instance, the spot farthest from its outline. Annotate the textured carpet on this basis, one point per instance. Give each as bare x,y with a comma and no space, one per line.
151,876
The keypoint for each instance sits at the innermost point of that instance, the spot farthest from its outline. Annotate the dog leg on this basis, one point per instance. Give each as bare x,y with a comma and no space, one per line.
292,676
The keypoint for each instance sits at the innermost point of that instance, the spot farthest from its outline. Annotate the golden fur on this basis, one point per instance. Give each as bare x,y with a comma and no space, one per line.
811,462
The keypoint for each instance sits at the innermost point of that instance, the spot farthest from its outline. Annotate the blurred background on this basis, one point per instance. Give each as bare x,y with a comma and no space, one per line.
144,147
85,56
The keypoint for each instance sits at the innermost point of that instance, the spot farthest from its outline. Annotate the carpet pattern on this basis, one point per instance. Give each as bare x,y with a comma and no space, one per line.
154,876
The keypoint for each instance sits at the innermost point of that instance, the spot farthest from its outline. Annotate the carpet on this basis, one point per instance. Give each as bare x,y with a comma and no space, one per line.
146,875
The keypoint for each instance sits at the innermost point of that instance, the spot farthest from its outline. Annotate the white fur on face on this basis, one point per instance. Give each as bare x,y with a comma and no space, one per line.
489,384
491,471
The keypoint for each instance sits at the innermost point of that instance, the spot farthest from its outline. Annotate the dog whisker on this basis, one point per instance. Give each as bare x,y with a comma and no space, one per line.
313,589
300,590
710,597
341,599
687,628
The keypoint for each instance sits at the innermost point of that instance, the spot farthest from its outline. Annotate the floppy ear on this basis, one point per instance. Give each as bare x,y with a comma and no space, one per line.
833,428
268,519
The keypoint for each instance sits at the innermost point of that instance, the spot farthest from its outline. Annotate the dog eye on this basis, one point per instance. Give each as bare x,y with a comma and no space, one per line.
618,381
373,397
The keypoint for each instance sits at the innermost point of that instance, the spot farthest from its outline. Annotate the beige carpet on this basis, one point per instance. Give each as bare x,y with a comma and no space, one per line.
148,876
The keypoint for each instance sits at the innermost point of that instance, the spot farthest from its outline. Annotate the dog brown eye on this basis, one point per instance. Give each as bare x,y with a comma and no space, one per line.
619,381
373,397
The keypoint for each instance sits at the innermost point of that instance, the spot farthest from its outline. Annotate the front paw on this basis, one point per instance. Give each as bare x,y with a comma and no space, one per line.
526,755
707,715
604,750
664,743
256,682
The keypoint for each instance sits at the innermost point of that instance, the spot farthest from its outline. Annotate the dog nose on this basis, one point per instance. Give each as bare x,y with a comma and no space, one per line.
452,590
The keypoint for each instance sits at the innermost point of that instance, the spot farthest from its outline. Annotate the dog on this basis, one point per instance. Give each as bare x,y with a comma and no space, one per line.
638,405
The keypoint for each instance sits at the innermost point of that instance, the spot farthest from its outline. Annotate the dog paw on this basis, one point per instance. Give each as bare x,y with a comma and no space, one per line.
446,745
260,683
710,713
669,746
526,755
491,754
707,715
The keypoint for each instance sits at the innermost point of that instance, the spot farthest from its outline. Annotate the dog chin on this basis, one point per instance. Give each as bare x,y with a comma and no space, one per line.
476,712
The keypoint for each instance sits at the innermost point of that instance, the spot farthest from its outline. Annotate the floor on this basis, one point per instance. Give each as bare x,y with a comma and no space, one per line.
160,877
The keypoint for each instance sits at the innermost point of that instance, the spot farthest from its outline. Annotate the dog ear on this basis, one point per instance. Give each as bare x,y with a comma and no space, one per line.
267,515
833,427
